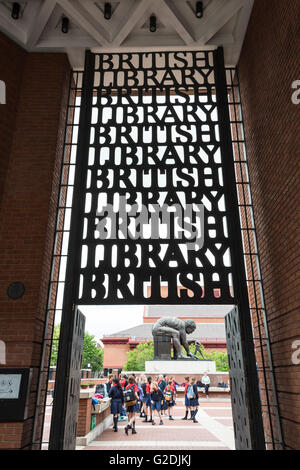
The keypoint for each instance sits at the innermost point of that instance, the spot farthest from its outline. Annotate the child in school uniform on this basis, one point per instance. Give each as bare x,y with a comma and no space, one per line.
157,399
123,381
169,394
132,409
186,399
194,402
162,383
109,384
174,385
117,400
147,395
143,385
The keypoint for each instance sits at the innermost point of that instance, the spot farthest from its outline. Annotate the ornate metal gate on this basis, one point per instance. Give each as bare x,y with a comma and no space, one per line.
154,130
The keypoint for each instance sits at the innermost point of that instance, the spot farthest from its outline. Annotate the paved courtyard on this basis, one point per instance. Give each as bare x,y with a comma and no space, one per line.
213,432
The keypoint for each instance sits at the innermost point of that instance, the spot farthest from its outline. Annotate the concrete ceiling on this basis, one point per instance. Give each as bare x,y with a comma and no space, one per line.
38,28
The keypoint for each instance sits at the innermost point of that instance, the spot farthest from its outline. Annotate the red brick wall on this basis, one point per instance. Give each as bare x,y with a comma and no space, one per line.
115,355
12,59
84,417
268,65
35,114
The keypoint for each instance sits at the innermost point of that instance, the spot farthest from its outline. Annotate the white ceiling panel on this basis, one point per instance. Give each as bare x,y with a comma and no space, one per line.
38,28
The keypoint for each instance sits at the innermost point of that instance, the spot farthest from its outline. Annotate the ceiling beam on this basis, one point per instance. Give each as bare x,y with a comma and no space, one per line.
38,24
76,57
216,15
82,41
240,31
129,22
11,27
168,17
75,13
96,13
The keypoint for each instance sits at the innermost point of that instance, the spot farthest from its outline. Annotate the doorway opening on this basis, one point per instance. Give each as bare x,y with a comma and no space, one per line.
123,335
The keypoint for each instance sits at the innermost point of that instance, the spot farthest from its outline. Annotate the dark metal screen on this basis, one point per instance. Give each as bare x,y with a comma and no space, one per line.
154,128
63,429
152,138
248,430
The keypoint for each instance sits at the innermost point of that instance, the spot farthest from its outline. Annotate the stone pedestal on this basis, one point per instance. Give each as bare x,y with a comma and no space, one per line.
162,346
188,367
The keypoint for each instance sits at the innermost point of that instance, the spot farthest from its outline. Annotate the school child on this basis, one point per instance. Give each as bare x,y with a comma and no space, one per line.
109,383
123,381
186,399
156,401
174,385
194,401
117,400
148,401
132,409
169,394
143,385
162,383
141,396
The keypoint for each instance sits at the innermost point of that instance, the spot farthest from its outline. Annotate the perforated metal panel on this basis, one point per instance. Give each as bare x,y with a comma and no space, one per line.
152,137
65,415
248,430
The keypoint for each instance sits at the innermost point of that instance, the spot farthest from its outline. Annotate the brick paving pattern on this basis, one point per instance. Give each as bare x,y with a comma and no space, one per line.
213,432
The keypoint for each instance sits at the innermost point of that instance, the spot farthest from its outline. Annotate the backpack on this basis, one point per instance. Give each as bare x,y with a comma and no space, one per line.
222,385
168,394
101,389
190,392
129,397
156,395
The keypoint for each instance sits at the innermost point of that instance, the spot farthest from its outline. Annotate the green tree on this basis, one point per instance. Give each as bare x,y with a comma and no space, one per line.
91,354
137,357
54,349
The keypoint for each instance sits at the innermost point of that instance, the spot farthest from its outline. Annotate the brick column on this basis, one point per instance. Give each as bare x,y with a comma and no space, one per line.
268,65
84,416
33,126
12,59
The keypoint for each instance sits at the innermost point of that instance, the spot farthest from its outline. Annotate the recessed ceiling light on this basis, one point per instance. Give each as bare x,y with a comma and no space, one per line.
152,23
15,12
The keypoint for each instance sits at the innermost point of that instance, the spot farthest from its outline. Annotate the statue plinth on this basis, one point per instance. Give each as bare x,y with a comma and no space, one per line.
162,347
180,366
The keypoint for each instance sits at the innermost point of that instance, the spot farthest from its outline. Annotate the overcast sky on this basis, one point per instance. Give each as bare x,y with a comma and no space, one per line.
107,319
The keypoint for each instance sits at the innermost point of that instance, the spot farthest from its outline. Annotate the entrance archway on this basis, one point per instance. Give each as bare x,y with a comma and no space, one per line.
165,139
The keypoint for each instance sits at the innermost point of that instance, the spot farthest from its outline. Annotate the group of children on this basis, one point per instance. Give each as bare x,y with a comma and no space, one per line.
149,397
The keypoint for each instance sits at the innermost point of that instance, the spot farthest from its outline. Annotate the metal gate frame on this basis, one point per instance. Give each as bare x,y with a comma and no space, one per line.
239,277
